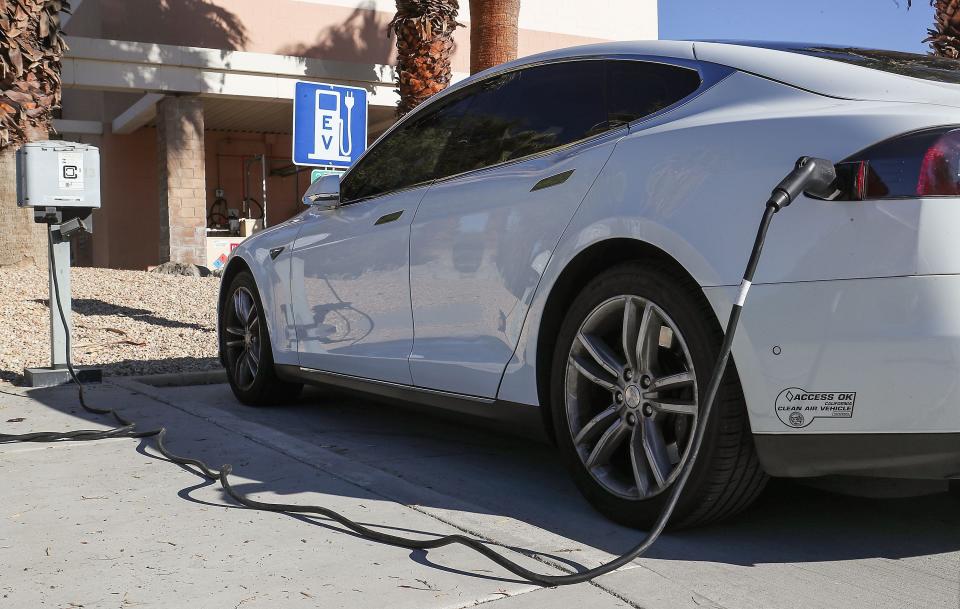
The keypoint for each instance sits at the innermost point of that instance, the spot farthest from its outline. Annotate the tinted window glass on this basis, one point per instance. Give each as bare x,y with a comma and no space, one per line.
927,67
409,155
529,111
638,88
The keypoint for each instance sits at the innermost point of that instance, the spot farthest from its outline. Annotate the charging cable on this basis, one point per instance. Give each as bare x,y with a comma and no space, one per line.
814,176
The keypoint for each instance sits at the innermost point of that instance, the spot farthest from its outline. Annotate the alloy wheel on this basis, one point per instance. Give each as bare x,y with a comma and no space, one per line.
242,329
631,397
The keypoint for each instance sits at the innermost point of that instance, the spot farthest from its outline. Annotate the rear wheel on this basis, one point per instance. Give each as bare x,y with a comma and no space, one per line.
245,343
633,358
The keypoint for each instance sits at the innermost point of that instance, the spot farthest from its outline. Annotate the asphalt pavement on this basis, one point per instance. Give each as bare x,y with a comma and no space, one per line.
112,524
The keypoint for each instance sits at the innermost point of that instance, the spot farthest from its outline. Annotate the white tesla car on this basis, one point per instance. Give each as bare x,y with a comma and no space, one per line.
550,244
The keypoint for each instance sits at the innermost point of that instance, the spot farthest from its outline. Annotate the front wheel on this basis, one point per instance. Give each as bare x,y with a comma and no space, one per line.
633,358
245,344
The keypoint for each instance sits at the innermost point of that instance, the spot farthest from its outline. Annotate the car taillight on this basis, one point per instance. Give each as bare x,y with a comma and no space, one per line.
920,164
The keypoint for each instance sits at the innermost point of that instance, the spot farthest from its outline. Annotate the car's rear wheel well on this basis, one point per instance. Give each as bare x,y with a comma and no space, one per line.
586,265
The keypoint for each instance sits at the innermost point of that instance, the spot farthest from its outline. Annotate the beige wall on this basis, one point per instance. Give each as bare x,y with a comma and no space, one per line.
226,154
127,228
607,19
346,31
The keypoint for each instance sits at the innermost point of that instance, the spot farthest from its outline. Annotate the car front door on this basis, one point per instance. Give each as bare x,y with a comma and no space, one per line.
350,277
530,146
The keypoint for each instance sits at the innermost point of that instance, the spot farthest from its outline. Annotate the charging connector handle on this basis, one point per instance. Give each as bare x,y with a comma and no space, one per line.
812,175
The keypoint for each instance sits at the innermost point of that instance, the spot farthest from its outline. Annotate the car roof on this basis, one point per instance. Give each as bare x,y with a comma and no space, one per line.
773,60
675,49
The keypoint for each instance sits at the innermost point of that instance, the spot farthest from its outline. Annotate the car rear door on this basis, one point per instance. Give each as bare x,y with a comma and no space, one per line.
528,149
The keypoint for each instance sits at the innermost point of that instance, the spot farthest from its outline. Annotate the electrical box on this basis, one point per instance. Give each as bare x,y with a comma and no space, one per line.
58,174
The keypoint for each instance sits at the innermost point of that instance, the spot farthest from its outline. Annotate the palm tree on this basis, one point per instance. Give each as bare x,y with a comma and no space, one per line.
944,36
31,48
424,30
494,31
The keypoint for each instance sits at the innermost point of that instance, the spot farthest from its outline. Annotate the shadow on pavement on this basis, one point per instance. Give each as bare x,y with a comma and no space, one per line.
522,480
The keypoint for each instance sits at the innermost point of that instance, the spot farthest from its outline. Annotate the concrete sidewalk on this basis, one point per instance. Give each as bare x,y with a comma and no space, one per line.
107,524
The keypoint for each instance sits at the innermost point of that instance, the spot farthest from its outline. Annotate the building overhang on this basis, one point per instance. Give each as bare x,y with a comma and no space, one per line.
118,65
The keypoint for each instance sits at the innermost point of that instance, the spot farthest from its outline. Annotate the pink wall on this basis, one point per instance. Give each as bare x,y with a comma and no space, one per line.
226,152
126,230
282,27
126,233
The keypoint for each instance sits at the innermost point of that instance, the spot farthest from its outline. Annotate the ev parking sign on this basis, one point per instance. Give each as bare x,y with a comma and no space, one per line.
329,124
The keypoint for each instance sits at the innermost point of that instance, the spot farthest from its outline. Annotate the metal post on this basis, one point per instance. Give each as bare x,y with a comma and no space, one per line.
263,171
60,254
58,373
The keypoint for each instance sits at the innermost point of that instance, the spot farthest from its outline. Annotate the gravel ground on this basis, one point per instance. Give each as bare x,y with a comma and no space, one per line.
128,322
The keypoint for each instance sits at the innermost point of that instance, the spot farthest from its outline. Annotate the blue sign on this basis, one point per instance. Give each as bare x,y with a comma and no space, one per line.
329,124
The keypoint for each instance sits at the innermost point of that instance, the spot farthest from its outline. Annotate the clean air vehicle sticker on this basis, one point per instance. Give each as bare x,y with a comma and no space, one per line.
798,408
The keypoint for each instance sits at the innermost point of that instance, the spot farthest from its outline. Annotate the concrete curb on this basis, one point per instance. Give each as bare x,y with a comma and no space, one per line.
180,379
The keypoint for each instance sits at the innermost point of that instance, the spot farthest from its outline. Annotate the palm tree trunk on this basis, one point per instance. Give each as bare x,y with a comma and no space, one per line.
424,30
22,241
31,48
944,38
494,32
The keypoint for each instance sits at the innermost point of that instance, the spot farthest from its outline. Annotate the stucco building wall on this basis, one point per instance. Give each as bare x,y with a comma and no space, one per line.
239,60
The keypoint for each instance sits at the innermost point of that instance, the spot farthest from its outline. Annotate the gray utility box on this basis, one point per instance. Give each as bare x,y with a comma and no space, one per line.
58,174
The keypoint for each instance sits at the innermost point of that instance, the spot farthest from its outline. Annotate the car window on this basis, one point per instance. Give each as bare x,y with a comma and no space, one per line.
407,156
528,111
636,89
927,67
915,65
516,114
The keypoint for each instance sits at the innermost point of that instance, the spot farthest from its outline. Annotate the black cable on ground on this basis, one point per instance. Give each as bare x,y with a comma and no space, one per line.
128,429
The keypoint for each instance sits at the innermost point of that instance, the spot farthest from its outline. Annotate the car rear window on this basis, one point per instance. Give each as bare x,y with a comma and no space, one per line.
927,67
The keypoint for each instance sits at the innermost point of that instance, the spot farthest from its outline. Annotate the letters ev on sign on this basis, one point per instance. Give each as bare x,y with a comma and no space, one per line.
329,124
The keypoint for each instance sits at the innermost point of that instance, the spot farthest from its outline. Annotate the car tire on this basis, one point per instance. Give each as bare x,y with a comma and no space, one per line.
727,476
245,345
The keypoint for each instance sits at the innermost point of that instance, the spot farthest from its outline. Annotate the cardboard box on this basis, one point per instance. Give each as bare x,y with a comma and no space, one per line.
248,226
218,248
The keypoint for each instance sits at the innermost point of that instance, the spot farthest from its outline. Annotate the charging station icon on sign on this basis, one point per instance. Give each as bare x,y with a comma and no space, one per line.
329,124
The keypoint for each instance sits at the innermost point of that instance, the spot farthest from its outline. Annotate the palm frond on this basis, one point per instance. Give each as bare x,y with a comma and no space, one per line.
31,51
944,37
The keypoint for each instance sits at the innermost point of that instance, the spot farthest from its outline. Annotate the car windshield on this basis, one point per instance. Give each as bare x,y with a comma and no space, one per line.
927,67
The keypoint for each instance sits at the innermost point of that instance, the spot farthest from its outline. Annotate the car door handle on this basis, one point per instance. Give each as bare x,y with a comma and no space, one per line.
388,218
554,180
